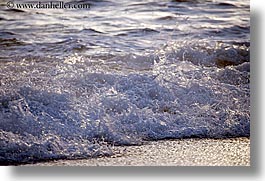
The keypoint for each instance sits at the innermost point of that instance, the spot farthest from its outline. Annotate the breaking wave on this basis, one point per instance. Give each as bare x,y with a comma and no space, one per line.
81,106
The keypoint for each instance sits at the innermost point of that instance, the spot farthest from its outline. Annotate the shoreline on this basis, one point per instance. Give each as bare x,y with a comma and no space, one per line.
183,152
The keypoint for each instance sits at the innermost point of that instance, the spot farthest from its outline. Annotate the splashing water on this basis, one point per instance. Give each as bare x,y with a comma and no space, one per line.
101,86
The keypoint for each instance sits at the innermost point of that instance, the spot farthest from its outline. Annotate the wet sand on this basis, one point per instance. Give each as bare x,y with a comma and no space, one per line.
184,152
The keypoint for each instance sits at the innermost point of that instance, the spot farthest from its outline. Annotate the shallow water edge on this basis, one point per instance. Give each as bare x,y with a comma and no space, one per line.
182,152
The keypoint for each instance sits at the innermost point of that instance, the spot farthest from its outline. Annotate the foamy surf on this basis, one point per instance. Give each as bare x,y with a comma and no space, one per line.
111,78
72,108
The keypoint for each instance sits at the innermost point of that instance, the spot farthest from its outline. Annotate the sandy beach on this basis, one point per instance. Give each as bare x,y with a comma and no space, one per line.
184,152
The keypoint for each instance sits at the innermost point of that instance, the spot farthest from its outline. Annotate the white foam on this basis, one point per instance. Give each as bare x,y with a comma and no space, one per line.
54,109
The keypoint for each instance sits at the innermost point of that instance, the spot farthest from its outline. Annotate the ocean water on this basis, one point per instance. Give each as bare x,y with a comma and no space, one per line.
75,83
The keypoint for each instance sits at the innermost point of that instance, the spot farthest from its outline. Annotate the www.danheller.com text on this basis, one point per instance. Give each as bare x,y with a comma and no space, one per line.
47,5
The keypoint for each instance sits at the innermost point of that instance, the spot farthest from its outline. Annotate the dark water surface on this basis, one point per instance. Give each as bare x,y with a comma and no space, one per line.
74,82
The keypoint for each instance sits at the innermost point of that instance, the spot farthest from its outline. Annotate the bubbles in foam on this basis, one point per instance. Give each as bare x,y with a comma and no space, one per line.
67,109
